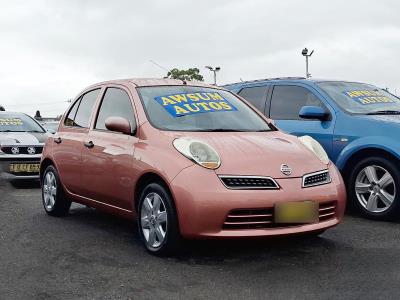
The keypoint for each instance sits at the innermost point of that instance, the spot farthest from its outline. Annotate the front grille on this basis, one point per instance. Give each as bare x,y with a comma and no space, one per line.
248,182
22,149
317,178
249,219
263,218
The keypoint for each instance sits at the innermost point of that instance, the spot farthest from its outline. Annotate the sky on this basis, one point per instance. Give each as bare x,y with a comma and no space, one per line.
51,50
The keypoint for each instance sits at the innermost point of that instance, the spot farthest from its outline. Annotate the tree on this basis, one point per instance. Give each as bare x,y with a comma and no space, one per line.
189,74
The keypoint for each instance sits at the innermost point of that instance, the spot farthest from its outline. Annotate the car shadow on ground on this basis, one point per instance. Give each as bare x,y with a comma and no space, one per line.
25,184
208,252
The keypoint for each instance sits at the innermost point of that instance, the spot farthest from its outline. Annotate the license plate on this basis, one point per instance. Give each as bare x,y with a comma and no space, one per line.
296,212
26,168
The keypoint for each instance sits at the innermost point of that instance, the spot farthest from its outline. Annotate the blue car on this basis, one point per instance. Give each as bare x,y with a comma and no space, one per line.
358,125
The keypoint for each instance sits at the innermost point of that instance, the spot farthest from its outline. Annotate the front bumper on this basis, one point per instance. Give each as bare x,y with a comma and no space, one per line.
7,160
203,203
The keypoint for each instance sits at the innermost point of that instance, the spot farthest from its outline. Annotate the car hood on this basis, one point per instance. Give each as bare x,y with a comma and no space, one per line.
383,118
23,138
259,153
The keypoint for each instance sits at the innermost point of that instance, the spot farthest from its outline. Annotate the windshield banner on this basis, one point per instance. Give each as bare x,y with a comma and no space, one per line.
179,105
366,97
10,122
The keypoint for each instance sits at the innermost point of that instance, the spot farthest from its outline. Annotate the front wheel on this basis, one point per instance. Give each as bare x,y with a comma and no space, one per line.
55,202
374,186
158,223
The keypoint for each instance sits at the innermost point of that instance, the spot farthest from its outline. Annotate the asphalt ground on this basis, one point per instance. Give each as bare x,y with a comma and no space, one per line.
91,255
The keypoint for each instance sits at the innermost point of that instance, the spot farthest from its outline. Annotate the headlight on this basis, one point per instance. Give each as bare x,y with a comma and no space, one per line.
315,147
199,152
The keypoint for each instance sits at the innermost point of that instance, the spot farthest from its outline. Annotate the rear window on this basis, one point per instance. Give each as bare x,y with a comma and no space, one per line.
80,113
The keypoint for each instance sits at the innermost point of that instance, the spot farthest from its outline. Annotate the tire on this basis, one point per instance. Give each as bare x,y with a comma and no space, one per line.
54,200
374,188
159,229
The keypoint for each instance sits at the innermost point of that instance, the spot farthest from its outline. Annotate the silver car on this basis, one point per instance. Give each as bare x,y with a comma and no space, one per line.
21,144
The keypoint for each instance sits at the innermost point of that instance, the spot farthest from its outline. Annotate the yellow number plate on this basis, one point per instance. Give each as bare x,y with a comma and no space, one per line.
296,212
28,168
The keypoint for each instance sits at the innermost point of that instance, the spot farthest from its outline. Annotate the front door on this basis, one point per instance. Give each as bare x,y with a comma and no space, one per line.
107,158
286,102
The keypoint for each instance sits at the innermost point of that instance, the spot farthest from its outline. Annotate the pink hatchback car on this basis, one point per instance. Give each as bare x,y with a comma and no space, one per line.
189,161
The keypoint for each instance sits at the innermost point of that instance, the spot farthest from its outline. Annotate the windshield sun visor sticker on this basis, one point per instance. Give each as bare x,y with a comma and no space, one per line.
178,105
365,97
11,122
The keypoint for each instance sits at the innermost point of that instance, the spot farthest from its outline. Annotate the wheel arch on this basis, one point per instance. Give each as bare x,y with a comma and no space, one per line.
363,153
43,165
143,181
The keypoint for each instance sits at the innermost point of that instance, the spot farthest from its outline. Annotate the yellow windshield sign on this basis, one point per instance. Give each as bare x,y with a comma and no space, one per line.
365,97
11,122
179,105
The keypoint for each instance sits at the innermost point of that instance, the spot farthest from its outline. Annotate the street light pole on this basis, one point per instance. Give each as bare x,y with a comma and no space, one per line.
304,52
214,70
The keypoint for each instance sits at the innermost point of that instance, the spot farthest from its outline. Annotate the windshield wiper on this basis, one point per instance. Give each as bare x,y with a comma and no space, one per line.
221,130
8,130
34,131
385,112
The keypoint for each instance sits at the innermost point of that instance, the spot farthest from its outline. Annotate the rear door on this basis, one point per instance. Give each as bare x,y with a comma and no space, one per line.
107,158
286,102
68,141
257,96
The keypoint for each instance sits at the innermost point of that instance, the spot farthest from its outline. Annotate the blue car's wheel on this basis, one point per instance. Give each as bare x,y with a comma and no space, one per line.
374,187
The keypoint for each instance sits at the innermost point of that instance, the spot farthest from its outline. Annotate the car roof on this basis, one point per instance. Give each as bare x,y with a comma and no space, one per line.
141,82
284,79
7,112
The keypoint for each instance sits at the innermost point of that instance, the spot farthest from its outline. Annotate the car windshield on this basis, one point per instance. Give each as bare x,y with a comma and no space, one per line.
360,98
51,127
190,108
10,122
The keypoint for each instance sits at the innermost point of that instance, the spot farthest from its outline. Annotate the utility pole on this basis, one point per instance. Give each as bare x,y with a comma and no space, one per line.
304,52
214,70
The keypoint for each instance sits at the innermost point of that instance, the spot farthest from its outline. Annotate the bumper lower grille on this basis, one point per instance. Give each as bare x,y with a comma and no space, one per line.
264,218
30,150
317,178
249,182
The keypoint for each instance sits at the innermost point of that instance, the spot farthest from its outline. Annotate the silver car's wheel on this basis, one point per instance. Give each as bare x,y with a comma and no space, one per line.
49,191
154,220
375,189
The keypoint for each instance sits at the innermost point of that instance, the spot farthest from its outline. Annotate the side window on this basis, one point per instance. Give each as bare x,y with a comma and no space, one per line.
82,117
69,120
287,101
116,103
256,96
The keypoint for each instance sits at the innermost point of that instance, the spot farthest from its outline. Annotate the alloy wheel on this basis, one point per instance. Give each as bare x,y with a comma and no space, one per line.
49,191
154,220
375,189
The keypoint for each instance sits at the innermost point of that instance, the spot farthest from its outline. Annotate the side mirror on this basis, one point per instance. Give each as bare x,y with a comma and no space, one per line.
313,112
118,124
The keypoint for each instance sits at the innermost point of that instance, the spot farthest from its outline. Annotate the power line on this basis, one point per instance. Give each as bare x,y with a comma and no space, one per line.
158,65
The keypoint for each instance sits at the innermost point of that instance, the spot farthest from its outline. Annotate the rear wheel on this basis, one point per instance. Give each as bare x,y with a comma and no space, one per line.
158,223
55,202
374,187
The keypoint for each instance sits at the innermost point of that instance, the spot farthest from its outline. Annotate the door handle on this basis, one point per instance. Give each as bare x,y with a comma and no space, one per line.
57,140
89,144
